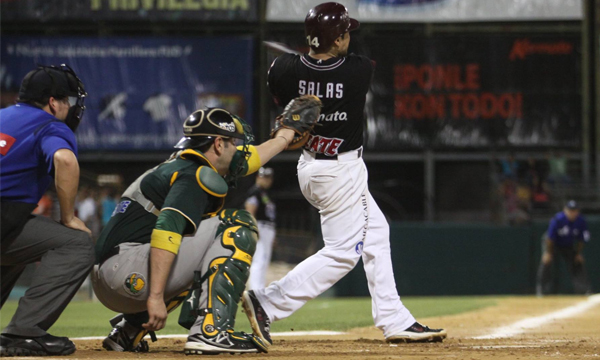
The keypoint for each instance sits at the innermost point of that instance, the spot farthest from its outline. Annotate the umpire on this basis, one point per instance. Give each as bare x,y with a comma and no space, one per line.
37,144
566,236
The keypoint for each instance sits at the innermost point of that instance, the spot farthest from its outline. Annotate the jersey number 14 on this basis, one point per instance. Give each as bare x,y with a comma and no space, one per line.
314,42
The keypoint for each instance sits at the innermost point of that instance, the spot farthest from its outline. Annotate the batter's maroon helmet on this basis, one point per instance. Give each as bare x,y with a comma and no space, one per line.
326,22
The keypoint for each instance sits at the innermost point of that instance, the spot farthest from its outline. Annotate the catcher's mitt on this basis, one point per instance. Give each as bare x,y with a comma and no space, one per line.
301,114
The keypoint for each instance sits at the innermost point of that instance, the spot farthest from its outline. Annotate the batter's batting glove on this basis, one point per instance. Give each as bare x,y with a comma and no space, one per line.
301,114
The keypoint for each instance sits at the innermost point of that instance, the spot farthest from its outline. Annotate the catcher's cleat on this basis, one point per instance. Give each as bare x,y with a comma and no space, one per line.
259,321
47,345
418,333
224,342
125,338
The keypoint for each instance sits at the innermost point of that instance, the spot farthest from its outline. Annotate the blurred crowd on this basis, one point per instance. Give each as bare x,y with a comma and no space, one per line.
94,206
522,187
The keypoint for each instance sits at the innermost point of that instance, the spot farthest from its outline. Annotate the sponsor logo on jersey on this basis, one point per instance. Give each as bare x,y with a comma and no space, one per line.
323,145
122,207
134,283
6,142
336,116
359,247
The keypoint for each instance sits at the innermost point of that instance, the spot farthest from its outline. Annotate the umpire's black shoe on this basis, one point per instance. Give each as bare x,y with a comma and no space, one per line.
418,333
261,325
47,345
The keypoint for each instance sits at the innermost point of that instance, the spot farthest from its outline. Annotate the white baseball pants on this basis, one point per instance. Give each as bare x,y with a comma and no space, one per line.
352,226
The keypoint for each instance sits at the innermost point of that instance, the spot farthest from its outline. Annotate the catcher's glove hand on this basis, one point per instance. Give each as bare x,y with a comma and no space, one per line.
301,114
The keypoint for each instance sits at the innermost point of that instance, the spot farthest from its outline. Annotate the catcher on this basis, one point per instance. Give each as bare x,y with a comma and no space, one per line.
170,242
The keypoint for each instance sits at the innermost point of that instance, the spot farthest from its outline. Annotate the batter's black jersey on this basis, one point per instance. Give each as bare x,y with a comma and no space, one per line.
340,82
259,197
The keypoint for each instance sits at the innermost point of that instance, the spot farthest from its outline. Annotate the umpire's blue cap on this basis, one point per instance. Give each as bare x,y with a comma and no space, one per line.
572,204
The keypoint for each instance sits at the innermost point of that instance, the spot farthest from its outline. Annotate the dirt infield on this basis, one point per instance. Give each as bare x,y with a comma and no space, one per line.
574,337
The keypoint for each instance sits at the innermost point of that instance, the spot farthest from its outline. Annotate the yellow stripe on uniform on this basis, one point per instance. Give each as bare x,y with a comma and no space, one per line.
209,319
197,154
228,278
165,240
253,159
238,254
174,177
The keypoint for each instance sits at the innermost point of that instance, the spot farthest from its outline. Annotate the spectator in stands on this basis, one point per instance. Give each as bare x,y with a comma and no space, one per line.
558,169
510,167
541,193
108,203
515,211
87,209
566,235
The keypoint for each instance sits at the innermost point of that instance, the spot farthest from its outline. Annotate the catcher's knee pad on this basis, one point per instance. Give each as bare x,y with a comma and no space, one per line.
228,275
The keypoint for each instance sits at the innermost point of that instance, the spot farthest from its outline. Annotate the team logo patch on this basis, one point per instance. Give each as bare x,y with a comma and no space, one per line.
135,283
359,248
6,141
227,126
209,329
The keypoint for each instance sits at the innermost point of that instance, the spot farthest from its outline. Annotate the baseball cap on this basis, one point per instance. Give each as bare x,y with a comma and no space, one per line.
262,172
48,81
572,204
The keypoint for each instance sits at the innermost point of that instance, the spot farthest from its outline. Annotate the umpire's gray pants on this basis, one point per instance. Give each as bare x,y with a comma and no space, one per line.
112,279
66,256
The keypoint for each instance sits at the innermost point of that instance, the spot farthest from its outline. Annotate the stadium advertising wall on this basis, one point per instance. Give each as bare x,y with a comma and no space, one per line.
139,89
497,91
155,10
436,10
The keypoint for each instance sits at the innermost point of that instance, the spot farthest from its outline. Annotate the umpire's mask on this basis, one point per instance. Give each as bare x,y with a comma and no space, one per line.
59,82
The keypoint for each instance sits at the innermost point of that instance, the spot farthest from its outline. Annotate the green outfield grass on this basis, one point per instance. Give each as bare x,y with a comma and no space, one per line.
339,314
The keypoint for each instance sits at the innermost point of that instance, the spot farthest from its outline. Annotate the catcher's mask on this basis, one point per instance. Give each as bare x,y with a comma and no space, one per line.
203,126
59,82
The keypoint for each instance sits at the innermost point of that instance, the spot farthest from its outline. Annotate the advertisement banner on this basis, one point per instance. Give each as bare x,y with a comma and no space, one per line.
457,91
130,10
139,89
472,91
435,10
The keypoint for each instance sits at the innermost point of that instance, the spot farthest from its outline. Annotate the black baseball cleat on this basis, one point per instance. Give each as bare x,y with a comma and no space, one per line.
259,321
418,333
47,345
120,340
223,343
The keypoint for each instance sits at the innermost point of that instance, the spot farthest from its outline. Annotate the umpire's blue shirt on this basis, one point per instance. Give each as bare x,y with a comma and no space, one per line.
565,233
29,137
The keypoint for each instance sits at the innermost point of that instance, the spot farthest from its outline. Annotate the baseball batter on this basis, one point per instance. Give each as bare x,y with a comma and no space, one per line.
333,178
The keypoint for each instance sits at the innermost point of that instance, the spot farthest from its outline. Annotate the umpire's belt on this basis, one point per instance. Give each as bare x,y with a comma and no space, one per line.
345,156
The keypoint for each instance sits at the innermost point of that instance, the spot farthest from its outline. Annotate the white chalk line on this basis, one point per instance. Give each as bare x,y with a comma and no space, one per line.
285,333
534,322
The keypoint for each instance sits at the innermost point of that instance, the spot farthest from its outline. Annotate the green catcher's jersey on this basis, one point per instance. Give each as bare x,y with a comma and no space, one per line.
186,184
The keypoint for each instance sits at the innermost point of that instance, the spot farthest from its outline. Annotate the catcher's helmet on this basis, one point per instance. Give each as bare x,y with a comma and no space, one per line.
326,22
202,126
